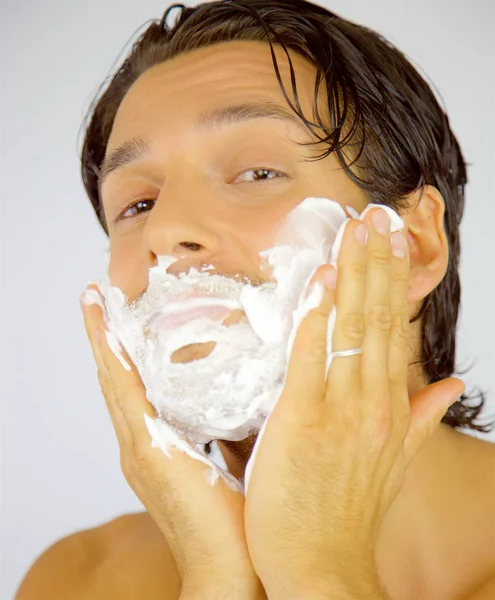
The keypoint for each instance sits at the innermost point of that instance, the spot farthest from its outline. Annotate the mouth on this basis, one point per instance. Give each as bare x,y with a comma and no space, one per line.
181,311
170,321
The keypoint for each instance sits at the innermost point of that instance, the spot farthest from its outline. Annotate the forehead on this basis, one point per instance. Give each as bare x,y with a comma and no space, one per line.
173,93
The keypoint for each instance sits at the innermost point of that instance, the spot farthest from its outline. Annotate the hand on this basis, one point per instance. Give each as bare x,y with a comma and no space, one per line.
334,451
202,524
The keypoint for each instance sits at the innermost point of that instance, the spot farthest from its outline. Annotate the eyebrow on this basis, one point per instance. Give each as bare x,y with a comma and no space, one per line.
208,121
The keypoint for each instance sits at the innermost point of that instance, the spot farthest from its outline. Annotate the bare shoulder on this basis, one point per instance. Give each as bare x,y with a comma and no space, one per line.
474,463
475,459
124,558
62,569
138,561
476,453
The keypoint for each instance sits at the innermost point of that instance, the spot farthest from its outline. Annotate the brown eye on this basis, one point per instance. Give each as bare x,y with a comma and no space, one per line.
261,174
136,208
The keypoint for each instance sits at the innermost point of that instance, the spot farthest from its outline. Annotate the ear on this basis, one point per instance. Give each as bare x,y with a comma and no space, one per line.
428,244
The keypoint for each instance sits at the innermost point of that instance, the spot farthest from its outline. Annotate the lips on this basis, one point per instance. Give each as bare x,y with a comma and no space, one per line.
179,312
170,321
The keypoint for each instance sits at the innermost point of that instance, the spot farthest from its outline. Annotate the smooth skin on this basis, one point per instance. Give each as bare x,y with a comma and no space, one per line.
411,483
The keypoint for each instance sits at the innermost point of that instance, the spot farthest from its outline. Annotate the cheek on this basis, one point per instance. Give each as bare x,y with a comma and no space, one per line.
259,228
254,233
127,269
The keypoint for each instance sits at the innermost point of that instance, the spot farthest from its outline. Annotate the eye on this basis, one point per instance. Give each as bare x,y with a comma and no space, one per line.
261,174
136,208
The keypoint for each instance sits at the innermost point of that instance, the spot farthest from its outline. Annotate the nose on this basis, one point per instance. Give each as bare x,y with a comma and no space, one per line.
179,225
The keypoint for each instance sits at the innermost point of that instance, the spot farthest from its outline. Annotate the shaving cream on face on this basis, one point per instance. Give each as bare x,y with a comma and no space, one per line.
229,393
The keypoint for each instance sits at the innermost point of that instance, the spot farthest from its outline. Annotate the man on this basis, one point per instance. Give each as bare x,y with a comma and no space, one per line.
194,151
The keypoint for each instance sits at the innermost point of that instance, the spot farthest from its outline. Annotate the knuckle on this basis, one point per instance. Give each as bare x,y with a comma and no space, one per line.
349,424
126,466
141,457
106,384
312,352
135,466
309,338
400,329
358,269
380,257
103,380
315,323
352,325
400,276
379,317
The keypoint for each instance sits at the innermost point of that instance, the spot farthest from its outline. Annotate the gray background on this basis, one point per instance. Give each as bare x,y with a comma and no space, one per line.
60,463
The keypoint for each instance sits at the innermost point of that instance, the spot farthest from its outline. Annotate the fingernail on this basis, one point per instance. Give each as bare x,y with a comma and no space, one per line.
399,244
330,279
361,234
381,221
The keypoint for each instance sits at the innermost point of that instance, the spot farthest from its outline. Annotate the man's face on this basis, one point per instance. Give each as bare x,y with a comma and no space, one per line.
213,193
206,199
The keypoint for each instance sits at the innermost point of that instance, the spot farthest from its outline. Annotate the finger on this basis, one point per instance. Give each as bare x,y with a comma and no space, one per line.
344,372
91,303
399,336
123,389
92,306
306,371
377,315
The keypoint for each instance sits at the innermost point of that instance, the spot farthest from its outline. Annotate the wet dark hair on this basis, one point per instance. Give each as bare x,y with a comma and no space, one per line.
381,109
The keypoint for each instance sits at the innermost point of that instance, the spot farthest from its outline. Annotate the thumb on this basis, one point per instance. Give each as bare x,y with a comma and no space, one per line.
428,407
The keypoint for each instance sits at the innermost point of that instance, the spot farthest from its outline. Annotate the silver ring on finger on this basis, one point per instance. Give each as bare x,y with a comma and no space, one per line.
350,352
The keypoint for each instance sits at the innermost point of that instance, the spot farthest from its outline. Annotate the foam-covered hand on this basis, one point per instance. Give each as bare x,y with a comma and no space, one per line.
333,454
202,524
